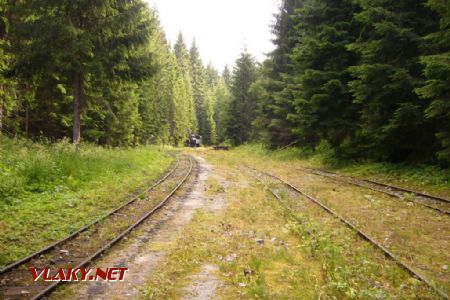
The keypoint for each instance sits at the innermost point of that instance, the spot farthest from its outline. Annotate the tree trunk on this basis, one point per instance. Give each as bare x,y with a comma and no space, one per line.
77,101
26,119
1,117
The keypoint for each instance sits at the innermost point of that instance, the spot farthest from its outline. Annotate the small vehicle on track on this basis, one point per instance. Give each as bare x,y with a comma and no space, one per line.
194,141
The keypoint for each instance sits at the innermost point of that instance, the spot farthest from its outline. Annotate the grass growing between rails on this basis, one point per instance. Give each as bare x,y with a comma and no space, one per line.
427,178
263,251
48,191
228,239
416,234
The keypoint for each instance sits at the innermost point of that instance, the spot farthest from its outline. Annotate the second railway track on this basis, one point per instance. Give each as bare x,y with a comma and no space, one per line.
88,243
436,203
352,226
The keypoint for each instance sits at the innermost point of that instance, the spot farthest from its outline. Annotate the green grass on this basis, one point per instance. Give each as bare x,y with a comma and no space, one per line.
306,254
351,269
49,190
227,239
430,178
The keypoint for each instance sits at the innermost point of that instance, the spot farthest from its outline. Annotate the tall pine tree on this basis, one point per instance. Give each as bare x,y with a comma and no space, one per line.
322,99
185,107
8,84
226,75
277,103
391,123
156,94
243,105
436,47
200,92
82,45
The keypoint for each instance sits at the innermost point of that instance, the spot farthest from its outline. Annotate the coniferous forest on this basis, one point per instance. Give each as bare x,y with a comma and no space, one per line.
322,171
365,79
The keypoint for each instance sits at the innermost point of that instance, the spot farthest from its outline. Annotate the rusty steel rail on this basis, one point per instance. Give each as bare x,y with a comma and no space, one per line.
54,285
85,228
347,179
361,233
394,187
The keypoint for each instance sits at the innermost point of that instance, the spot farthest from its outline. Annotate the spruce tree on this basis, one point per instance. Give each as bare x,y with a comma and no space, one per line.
8,84
83,44
436,47
3,60
391,123
187,107
156,94
226,75
212,82
322,100
243,105
222,101
277,103
199,86
212,76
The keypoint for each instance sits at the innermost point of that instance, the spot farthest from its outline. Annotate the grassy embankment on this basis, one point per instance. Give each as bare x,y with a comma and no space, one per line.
304,255
48,191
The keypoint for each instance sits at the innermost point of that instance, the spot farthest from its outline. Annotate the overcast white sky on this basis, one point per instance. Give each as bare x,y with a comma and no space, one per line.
222,28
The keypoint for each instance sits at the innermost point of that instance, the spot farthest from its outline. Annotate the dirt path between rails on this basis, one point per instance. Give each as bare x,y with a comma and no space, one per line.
203,285
225,237
145,248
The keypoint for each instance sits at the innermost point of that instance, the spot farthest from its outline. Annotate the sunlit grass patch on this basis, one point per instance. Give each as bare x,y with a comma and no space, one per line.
214,186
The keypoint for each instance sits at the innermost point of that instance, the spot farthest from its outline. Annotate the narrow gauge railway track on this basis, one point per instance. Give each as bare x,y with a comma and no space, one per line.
83,229
436,203
361,233
84,246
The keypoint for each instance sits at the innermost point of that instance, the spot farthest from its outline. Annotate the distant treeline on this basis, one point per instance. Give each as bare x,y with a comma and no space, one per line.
366,79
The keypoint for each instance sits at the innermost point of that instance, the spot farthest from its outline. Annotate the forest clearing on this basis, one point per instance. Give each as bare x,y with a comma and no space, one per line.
209,149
